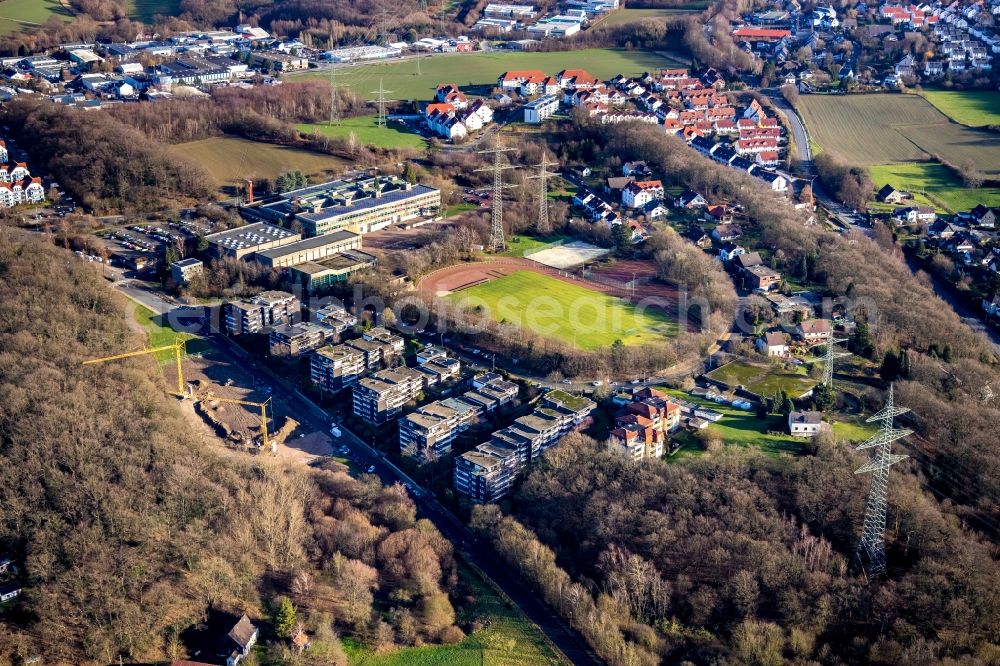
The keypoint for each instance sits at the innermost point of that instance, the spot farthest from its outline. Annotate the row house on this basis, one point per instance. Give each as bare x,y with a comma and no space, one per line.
448,93
578,79
29,191
615,118
595,208
754,146
16,174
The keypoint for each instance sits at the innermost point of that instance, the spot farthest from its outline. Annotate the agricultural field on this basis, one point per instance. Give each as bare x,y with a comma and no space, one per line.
559,309
146,10
888,129
16,15
229,159
764,380
507,638
975,108
625,16
364,129
933,184
482,69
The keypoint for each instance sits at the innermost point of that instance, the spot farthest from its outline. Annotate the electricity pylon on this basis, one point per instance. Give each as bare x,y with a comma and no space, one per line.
381,101
334,113
543,190
829,358
871,548
497,241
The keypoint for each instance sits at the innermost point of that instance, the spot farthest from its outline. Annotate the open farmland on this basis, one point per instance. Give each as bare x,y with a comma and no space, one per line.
147,10
563,310
230,158
880,129
933,184
364,129
975,108
16,15
625,16
482,69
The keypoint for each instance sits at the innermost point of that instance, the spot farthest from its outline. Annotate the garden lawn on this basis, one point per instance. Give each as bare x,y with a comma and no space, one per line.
975,108
392,135
160,335
558,309
507,638
933,184
16,15
741,428
853,431
482,69
763,380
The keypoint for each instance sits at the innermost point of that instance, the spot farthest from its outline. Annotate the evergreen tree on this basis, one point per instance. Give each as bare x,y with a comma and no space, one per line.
284,619
860,342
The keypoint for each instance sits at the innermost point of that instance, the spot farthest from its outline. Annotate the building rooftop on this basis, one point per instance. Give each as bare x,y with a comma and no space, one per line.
575,403
309,244
251,235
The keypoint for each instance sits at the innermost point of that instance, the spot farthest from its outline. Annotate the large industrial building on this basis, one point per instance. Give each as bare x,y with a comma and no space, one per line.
243,241
360,206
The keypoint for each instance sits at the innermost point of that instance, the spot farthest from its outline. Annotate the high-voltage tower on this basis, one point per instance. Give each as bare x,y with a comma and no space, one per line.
381,101
871,549
829,358
497,241
543,190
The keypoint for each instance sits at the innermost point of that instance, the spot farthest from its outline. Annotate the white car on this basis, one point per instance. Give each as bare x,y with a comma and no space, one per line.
334,430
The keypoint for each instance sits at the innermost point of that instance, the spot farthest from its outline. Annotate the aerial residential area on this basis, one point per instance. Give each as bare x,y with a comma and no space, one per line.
570,332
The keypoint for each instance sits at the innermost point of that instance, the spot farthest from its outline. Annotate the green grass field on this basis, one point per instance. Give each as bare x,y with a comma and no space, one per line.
160,335
741,428
975,108
518,245
16,15
570,313
853,431
508,638
888,129
763,380
146,10
933,184
624,16
231,158
482,69
393,135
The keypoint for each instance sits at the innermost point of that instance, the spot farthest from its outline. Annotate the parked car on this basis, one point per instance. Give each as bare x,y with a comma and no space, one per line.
334,430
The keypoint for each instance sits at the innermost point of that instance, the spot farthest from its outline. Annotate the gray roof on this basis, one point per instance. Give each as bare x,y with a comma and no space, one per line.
342,236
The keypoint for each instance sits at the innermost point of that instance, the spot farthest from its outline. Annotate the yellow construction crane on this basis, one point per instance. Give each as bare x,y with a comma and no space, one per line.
177,347
263,413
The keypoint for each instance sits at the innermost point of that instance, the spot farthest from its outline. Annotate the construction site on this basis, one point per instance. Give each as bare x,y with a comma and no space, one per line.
232,405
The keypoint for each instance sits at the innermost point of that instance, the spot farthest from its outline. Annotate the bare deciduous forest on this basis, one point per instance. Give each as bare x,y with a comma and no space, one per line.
132,530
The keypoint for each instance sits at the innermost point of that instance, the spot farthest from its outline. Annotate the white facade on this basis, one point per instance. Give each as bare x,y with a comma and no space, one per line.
540,109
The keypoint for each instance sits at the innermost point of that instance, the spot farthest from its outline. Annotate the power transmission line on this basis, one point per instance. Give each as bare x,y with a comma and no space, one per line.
497,242
871,547
334,112
830,357
381,101
543,191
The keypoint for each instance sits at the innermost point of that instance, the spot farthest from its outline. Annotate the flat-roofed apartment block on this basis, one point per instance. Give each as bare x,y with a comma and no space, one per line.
316,276
386,337
381,397
374,352
440,370
297,339
260,312
309,249
361,206
241,242
336,317
427,433
490,397
334,367
486,473
480,476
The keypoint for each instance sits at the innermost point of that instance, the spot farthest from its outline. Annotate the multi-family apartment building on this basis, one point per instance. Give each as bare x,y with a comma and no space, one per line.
486,473
641,428
336,316
293,340
427,433
260,312
381,397
335,367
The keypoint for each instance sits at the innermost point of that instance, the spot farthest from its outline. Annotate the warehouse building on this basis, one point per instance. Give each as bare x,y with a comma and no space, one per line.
309,249
360,206
242,242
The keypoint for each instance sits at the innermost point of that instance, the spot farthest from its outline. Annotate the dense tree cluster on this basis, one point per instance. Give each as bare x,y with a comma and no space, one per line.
103,163
851,185
740,558
132,530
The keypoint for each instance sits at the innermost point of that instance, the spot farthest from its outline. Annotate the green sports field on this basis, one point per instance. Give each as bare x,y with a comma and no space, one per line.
565,311
975,108
17,15
364,129
933,184
482,69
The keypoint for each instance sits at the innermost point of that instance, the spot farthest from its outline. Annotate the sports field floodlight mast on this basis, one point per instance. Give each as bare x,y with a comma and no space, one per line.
497,241
870,553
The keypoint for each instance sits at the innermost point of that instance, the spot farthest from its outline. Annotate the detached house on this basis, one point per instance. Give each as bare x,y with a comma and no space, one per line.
773,344
805,424
814,330
889,194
